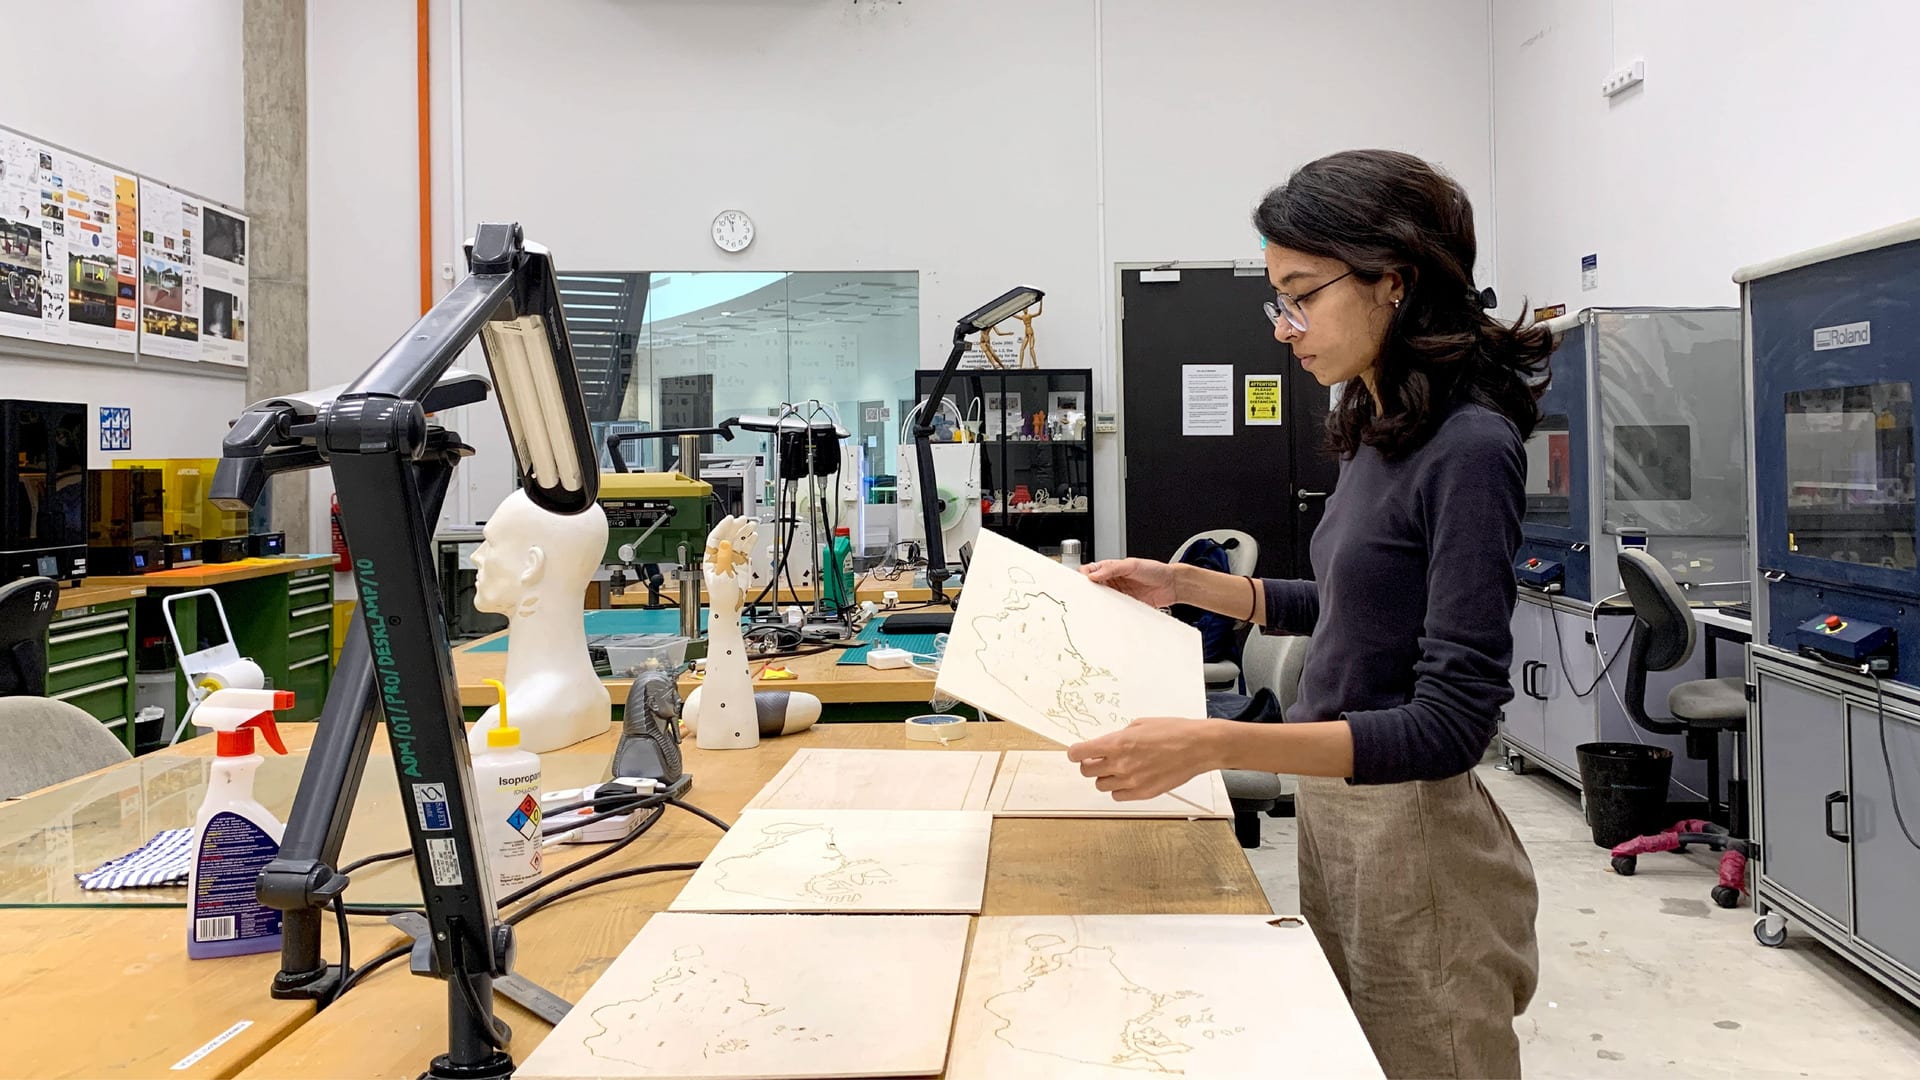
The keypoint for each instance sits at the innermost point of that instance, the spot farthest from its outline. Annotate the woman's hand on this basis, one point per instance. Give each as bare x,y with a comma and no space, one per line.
1148,757
1152,583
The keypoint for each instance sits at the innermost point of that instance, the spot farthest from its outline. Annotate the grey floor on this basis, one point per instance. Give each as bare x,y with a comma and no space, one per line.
1644,976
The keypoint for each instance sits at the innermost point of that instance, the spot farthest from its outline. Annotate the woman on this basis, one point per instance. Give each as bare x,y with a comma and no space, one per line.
1415,884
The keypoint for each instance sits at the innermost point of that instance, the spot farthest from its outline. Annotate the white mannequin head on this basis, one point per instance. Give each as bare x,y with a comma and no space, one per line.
532,553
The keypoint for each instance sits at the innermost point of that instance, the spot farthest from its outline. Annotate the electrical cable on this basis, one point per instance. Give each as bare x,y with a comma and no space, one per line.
552,876
360,973
385,856
1893,792
1599,653
580,886
699,813
491,1027
1620,699
346,940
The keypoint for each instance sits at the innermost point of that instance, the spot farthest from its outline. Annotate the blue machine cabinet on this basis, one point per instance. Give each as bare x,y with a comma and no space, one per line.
1833,351
1640,441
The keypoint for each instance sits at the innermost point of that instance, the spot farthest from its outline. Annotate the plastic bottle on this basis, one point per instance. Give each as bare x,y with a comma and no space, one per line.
506,791
233,835
837,563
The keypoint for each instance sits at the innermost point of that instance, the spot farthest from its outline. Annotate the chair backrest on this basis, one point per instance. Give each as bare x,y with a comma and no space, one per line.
1663,632
1243,551
50,741
26,610
1274,662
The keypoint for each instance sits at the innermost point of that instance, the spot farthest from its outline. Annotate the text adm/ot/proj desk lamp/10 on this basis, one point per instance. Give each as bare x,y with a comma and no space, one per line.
991,314
391,469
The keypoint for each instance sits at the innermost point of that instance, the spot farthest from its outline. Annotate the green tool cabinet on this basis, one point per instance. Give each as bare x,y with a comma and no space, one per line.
90,663
281,612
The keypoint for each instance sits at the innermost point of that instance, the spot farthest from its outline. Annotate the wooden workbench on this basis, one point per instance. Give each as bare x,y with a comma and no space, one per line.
208,575
92,593
819,674
394,1023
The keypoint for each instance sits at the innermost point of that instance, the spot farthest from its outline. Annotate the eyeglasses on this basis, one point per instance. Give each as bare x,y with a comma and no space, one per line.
1290,307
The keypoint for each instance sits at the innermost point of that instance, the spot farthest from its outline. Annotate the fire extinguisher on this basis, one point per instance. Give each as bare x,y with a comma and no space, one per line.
341,562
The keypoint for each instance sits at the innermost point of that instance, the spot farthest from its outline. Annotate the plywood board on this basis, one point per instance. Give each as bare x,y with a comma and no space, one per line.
1039,644
1105,996
788,996
821,779
1043,783
894,861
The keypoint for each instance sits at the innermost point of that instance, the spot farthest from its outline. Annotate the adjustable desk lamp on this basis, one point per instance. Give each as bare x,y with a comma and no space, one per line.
391,470
993,313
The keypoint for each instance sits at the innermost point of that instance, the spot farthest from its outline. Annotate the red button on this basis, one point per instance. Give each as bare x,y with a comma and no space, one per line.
1531,563
1833,622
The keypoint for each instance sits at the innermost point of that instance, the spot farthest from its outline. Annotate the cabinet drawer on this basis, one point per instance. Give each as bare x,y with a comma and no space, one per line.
308,679
105,698
315,614
309,641
86,670
76,639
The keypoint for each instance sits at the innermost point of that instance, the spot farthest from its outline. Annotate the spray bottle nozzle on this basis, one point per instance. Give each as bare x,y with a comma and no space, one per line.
237,714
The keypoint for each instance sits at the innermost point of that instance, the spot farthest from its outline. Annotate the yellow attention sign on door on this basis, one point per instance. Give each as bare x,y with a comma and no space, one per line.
1263,399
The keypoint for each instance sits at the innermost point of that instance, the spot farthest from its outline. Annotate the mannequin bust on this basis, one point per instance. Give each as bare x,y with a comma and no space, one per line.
534,567
727,707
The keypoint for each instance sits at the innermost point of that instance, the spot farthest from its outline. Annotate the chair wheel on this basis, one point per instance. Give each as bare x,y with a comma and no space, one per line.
1519,765
1625,865
1772,939
1726,896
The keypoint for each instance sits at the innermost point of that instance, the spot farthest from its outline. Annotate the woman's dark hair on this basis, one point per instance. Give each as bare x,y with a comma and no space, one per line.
1381,211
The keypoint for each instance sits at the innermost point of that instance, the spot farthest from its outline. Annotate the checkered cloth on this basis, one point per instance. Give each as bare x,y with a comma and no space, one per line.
163,860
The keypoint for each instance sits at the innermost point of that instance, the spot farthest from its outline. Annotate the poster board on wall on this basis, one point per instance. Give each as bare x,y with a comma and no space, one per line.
68,247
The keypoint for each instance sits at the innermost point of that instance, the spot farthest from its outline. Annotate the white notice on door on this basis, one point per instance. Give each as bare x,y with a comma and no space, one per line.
1206,399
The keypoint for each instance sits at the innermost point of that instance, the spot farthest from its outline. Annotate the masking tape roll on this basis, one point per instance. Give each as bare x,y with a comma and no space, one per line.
936,727
242,674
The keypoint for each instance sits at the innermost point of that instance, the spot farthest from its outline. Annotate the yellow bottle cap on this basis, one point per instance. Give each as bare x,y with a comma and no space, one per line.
504,734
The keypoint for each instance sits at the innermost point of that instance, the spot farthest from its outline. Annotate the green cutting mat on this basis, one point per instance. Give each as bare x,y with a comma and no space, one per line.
616,621
871,634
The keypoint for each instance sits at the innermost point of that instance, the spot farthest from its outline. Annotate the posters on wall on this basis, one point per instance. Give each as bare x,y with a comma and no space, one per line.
93,256
67,247
169,287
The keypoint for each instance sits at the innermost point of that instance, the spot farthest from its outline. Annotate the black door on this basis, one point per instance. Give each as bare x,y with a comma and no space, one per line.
1269,481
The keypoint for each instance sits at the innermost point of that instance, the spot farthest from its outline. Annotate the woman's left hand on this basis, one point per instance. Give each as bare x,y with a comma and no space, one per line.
1148,757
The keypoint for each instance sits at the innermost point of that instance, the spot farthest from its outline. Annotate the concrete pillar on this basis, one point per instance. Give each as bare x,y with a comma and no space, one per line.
274,43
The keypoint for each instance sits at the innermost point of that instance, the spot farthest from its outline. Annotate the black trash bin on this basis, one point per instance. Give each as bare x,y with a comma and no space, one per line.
1626,789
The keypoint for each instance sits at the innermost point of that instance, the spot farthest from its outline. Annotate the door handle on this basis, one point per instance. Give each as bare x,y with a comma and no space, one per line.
1305,494
1838,798
1526,680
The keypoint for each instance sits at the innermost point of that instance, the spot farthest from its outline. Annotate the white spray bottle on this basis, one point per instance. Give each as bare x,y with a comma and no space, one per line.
234,837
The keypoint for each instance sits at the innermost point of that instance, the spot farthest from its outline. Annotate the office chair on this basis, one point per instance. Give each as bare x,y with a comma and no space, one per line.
1704,709
1273,663
26,610
50,742
1243,556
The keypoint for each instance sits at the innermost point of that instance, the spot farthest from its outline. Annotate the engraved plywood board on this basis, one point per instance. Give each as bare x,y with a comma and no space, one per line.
1043,783
1039,644
821,779
867,861
784,996
1106,996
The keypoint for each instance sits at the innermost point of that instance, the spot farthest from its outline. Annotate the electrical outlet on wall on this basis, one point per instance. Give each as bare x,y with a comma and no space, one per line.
1624,78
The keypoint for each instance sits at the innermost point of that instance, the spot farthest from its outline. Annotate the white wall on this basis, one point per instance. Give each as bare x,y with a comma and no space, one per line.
363,216
1764,127
877,136
170,108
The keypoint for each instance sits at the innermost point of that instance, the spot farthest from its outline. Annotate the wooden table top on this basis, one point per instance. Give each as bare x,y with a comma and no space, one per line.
819,674
92,592
394,1023
207,574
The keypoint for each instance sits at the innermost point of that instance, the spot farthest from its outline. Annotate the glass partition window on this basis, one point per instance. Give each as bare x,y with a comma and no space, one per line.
665,350
1850,474
1652,462
1550,472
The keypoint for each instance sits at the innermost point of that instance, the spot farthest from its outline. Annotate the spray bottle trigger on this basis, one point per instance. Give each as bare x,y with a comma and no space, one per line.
264,723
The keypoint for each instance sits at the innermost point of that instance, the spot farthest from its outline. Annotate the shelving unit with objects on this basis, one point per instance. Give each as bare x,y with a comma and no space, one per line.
1036,462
